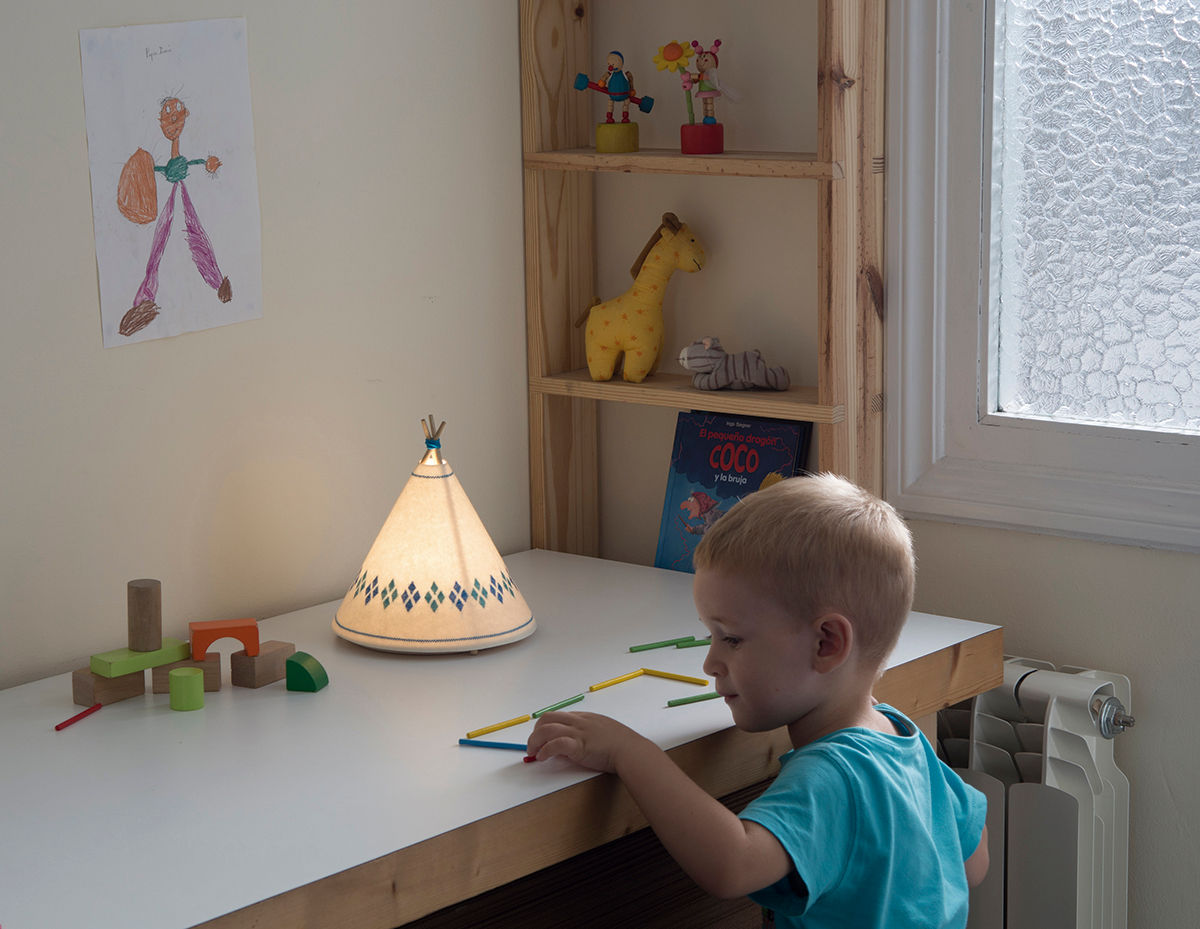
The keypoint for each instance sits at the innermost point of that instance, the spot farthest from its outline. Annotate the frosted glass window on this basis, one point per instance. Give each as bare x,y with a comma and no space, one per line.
1095,257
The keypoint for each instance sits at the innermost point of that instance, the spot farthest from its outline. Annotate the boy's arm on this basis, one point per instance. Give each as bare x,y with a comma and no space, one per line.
977,864
726,856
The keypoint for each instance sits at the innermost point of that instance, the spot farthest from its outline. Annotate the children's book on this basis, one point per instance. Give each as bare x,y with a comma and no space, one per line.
716,460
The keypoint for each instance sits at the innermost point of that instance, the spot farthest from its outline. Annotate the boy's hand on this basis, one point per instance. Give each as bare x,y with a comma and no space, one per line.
588,739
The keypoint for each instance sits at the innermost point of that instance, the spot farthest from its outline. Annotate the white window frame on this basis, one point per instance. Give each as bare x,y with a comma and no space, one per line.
947,456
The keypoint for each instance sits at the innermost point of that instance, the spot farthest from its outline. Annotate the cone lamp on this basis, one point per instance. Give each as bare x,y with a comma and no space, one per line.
433,581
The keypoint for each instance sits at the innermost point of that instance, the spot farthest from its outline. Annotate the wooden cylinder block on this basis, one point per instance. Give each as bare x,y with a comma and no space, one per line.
186,687
145,615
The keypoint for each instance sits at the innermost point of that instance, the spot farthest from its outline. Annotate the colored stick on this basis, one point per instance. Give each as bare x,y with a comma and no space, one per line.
78,716
676,677
561,704
481,743
617,680
663,644
529,758
474,733
695,643
695,698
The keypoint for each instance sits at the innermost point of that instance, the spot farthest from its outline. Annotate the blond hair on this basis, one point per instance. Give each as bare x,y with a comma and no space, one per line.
822,544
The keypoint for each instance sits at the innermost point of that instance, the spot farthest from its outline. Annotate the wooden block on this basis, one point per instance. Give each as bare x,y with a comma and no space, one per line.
305,673
187,689
125,660
160,677
88,688
267,666
208,631
144,598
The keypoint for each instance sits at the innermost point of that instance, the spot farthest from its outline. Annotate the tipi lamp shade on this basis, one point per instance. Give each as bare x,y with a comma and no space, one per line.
433,581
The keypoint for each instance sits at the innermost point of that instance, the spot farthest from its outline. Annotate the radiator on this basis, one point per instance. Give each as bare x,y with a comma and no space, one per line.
1040,747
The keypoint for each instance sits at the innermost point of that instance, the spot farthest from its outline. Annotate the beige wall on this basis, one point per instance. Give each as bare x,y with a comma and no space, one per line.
249,467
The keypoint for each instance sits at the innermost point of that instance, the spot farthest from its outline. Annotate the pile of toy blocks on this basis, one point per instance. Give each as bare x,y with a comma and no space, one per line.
121,673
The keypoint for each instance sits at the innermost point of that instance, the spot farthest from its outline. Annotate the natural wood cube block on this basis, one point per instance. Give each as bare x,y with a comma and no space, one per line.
88,688
160,677
270,664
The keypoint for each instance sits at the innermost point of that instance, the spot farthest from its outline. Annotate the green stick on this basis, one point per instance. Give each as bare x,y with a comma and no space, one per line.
663,644
695,698
559,705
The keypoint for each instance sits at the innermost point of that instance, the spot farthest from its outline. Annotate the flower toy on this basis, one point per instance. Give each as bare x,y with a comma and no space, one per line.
708,136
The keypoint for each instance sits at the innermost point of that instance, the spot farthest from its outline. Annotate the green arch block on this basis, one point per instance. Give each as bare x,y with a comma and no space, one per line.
305,673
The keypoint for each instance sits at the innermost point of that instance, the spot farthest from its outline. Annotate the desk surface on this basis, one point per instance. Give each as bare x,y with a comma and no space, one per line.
139,816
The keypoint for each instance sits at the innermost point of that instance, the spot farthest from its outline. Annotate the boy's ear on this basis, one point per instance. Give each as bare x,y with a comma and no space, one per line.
833,641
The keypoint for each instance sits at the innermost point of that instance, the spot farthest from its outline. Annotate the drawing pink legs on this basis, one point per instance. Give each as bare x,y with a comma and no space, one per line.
144,308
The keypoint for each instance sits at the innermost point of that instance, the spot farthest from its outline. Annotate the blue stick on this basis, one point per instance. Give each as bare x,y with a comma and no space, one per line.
483,743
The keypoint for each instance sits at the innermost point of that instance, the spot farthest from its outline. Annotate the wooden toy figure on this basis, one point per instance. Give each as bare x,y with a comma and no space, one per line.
632,324
708,136
617,85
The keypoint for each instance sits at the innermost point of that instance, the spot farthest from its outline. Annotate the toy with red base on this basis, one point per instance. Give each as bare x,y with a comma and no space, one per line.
706,137
617,85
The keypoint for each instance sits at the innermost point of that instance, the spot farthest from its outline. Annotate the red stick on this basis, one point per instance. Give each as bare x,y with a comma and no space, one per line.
529,758
78,716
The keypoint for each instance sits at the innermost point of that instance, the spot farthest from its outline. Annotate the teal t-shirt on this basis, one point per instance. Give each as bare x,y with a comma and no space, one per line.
878,830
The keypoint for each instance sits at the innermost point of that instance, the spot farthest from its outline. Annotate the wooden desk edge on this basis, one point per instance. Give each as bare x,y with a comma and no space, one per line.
446,869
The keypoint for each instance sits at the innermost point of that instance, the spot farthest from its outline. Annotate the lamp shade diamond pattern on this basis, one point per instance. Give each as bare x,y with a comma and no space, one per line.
433,580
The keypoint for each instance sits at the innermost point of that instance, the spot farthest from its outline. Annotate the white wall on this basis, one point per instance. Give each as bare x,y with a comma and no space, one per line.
249,467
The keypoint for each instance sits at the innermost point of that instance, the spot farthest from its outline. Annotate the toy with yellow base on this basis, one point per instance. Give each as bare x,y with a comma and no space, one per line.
632,324
617,85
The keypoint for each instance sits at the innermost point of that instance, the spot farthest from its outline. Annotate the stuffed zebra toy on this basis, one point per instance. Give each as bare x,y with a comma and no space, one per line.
716,369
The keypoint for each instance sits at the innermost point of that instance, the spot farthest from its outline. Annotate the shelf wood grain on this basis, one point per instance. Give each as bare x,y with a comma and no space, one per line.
790,165
676,391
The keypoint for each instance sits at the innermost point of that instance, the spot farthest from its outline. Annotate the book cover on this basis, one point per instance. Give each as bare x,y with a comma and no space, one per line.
717,459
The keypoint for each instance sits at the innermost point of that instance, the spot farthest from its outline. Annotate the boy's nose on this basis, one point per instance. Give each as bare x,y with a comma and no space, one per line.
711,666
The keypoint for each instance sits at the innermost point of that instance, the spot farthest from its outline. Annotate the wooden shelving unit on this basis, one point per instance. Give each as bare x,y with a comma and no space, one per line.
559,166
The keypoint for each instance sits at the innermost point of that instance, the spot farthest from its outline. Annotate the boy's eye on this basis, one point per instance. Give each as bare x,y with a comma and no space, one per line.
731,640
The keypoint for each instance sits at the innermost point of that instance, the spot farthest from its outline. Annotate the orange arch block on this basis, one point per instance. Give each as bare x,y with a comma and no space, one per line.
204,633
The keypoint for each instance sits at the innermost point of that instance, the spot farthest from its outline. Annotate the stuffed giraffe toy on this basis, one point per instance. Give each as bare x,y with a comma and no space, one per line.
633,322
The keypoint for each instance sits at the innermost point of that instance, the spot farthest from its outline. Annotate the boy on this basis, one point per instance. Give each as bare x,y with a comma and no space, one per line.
805,586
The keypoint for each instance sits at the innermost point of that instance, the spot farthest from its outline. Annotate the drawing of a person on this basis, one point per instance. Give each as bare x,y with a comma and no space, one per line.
701,506
137,200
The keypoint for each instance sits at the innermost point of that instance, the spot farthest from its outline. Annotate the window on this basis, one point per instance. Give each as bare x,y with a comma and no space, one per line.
999,413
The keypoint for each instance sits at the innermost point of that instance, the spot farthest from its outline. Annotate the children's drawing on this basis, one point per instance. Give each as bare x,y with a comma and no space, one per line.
136,199
177,96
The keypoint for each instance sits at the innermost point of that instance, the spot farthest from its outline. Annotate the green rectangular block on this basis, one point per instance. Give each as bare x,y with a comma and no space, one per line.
126,661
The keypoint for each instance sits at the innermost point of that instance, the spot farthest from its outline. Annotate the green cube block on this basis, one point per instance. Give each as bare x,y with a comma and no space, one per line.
126,661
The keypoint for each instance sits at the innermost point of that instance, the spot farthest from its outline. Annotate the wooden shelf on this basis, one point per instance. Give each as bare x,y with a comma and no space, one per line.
668,161
676,391
560,174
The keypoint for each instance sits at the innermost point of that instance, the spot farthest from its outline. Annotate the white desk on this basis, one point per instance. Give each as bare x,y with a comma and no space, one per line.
349,801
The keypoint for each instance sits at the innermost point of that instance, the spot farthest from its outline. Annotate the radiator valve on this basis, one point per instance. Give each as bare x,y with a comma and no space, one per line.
1111,716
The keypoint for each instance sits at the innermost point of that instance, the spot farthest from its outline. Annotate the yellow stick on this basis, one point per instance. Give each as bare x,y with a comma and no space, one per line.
476,733
676,677
618,680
